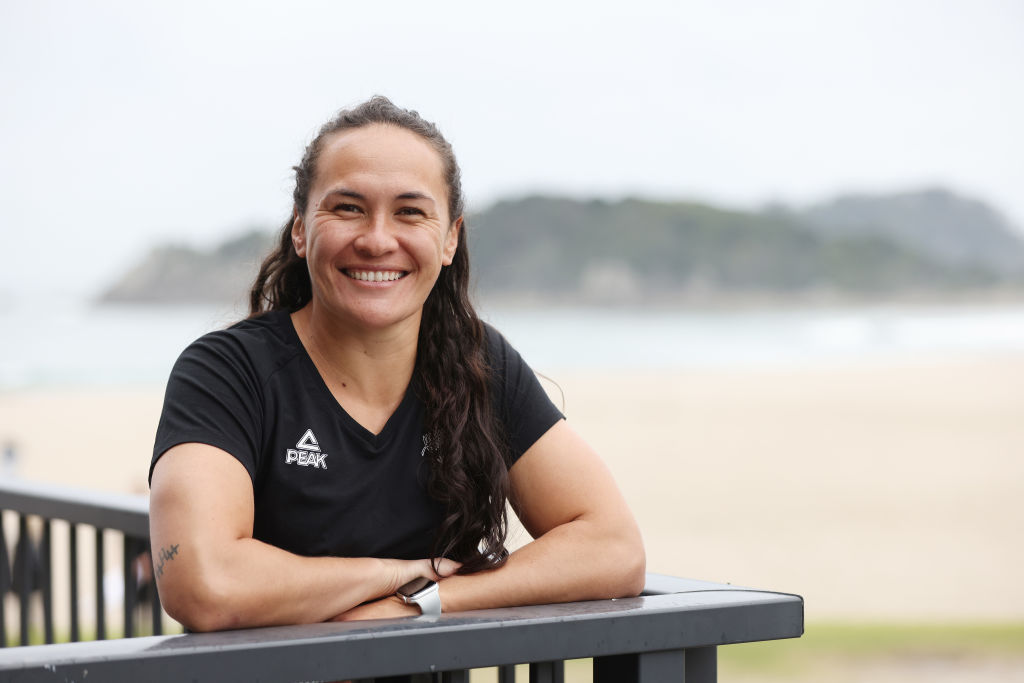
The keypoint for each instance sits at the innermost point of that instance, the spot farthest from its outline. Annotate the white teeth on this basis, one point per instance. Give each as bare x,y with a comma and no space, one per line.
375,275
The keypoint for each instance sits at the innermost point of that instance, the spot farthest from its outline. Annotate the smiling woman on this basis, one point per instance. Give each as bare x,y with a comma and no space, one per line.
348,450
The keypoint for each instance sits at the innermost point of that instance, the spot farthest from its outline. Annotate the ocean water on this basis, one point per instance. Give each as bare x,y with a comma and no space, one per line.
646,339
70,343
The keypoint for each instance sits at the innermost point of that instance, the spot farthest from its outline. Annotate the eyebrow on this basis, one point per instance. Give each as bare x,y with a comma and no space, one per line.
345,192
415,195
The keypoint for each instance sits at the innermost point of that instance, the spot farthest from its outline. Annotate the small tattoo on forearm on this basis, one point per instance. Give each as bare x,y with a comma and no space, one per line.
164,556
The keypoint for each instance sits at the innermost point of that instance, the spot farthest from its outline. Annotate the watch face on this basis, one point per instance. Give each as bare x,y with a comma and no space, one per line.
414,586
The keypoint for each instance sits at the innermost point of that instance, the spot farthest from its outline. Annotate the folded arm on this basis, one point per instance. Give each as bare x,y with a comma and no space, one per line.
213,575
587,544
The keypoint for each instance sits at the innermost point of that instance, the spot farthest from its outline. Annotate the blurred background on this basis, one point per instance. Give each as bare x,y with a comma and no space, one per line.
769,257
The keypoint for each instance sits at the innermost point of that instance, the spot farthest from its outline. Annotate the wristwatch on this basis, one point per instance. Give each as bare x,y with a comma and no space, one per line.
423,593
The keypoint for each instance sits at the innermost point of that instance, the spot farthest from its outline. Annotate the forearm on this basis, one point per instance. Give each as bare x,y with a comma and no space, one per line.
579,560
587,546
246,583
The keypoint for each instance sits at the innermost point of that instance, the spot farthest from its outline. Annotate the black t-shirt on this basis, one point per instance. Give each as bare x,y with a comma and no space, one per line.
322,483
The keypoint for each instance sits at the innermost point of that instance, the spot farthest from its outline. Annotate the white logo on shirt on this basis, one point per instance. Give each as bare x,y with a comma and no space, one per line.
308,442
306,452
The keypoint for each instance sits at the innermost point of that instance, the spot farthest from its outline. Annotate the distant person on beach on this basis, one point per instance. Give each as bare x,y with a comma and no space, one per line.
347,451
9,462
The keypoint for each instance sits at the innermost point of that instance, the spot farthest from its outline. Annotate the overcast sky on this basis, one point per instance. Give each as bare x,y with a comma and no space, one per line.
126,124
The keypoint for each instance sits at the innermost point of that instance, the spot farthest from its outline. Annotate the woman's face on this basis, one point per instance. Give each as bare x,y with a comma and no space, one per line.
376,232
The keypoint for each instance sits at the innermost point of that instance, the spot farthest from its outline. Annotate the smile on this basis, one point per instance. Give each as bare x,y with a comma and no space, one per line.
375,275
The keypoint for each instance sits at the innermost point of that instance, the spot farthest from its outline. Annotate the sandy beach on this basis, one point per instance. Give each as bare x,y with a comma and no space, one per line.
877,490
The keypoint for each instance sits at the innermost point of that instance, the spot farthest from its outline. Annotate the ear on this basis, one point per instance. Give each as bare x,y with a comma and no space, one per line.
451,241
299,234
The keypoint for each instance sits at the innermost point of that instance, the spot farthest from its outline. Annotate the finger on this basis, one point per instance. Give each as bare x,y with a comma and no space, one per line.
432,573
446,567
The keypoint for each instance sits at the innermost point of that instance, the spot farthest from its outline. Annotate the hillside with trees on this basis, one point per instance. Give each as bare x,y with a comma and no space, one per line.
175,274
950,229
931,242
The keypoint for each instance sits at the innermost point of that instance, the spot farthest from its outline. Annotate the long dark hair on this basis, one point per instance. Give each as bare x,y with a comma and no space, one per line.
468,474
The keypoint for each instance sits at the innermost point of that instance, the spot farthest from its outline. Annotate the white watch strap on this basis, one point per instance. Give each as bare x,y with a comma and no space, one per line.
428,600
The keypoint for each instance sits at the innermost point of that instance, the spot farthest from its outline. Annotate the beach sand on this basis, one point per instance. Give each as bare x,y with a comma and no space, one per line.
877,490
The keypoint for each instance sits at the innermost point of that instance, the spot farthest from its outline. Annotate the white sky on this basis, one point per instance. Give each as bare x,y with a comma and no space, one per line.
125,124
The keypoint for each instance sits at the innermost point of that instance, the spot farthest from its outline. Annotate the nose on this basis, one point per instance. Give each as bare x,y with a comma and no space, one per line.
377,236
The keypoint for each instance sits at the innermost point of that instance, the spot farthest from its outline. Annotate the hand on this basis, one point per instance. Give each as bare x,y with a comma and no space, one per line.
445,567
385,608
404,571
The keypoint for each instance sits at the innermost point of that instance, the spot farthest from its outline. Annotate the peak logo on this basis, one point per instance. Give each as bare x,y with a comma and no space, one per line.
306,452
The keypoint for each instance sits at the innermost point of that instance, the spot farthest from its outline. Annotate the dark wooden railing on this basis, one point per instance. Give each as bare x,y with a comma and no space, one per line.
668,634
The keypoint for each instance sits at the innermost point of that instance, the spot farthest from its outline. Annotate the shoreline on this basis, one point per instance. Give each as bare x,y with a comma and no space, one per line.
746,302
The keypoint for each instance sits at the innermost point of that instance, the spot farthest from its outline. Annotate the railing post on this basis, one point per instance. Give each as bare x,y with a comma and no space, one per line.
507,673
702,664
130,585
5,581
645,667
101,600
73,578
23,573
547,672
46,560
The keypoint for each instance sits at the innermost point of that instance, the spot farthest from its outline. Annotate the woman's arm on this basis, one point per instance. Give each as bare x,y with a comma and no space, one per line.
213,575
587,545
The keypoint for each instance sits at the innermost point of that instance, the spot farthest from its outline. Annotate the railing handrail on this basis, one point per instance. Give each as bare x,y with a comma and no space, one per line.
710,615
104,510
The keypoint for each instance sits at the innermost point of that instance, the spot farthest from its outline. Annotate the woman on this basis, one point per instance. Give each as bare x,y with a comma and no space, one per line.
363,429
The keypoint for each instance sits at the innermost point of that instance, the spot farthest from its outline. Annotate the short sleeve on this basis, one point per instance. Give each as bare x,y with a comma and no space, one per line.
213,397
522,405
